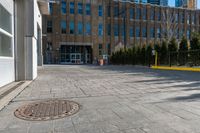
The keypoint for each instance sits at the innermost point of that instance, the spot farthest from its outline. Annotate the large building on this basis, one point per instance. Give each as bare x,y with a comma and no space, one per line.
192,4
159,2
80,31
20,39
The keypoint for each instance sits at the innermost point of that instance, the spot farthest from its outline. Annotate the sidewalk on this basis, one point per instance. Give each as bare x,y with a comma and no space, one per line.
113,99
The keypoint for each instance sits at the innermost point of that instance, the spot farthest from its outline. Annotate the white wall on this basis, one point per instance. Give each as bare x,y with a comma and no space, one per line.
7,71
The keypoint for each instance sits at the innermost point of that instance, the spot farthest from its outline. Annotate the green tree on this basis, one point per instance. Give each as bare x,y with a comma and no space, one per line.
172,48
194,46
157,48
163,53
149,55
143,51
183,51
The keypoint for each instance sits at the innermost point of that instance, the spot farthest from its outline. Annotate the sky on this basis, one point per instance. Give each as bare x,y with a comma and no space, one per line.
172,3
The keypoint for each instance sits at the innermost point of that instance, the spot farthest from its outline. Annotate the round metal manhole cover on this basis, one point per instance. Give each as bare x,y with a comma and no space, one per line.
47,110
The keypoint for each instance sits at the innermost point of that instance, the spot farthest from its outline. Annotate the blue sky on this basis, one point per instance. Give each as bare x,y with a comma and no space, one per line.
172,3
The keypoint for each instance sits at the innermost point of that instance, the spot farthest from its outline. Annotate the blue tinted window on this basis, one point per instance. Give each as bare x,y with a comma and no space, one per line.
138,13
152,32
144,14
80,28
116,30
131,31
71,6
152,16
158,33
51,8
144,32
80,8
137,32
188,33
88,9
100,31
63,7
109,29
88,28
116,11
63,26
71,27
108,11
123,29
131,13
100,10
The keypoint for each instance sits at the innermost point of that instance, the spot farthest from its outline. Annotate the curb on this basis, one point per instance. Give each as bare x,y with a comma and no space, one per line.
5,100
176,68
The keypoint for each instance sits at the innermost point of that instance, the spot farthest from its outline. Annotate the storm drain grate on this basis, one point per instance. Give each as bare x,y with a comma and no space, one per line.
47,110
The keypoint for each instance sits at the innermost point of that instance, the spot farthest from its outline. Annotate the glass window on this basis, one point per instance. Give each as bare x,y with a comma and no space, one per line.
88,9
100,31
71,27
63,27
49,26
182,17
122,30
158,33
138,13
116,30
100,10
116,11
5,20
71,7
100,49
176,17
188,18
193,18
132,13
80,28
51,8
144,32
131,32
80,8
188,33
88,28
108,11
137,33
109,30
159,15
63,7
144,14
152,32
108,49
6,45
152,16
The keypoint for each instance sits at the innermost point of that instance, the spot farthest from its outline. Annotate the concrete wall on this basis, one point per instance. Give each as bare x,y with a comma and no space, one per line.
7,72
27,32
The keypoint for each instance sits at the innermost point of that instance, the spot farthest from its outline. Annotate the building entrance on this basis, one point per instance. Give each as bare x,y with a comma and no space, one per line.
73,54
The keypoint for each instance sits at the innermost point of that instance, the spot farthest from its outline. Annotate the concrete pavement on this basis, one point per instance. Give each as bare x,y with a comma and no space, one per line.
113,99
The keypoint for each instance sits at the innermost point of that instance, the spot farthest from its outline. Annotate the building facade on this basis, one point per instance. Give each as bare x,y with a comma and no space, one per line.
20,41
79,31
159,2
192,4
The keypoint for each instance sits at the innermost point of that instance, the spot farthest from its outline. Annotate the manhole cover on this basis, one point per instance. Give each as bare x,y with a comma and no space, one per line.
47,110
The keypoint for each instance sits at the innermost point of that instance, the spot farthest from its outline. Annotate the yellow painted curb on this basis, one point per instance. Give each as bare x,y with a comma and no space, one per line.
176,68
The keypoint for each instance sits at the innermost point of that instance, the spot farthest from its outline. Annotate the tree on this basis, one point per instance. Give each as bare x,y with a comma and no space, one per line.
194,47
163,53
157,49
172,48
183,51
149,55
169,23
143,51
